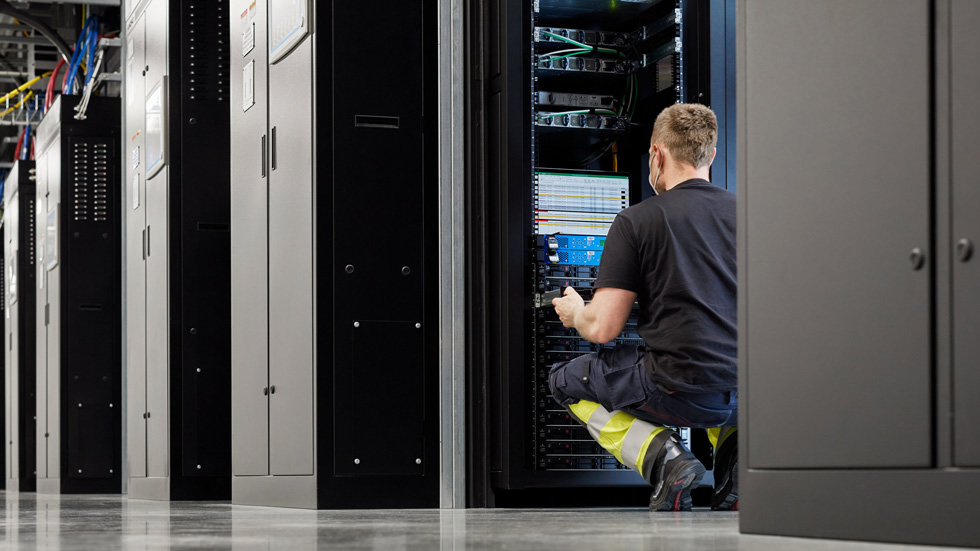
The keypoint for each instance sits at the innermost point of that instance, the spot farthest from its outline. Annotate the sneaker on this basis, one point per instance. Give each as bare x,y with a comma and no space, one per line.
725,497
679,472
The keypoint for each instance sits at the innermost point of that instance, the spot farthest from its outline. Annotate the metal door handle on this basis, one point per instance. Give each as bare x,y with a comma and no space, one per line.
265,391
918,258
265,154
274,151
964,249
148,241
144,243
272,389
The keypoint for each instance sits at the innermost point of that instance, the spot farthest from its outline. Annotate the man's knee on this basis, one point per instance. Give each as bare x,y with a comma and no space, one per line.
569,381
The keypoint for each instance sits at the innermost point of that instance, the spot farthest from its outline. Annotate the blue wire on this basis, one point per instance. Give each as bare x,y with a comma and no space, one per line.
76,58
26,147
93,43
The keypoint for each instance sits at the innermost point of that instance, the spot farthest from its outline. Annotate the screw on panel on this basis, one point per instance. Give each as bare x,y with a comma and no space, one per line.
418,461
111,471
110,405
199,370
406,270
349,268
418,326
198,467
357,461
79,471
357,324
193,330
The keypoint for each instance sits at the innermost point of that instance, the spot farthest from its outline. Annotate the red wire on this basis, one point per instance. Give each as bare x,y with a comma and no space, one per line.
49,96
33,143
20,142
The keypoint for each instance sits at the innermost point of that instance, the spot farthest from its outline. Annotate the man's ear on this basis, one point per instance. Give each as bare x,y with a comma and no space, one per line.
713,153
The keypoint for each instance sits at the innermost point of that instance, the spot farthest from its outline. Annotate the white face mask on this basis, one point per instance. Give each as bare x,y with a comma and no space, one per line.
654,181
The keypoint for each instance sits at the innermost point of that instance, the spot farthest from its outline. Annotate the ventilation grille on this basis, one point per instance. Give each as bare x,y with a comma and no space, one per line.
31,223
207,50
90,173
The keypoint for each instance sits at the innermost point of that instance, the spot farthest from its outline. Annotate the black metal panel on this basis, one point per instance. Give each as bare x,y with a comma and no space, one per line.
200,248
369,392
376,247
91,454
27,336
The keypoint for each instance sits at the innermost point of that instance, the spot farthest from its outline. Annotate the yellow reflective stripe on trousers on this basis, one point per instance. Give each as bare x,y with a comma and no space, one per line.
718,435
592,414
636,442
640,457
621,434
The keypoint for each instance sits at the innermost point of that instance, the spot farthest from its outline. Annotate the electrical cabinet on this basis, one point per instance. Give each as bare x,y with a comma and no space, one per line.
324,360
570,91
19,327
178,312
857,271
78,252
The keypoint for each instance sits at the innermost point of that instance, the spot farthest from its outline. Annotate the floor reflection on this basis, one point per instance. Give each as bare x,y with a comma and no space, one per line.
69,523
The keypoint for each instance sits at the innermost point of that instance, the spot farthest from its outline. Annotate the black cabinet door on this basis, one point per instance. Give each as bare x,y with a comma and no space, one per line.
965,126
835,187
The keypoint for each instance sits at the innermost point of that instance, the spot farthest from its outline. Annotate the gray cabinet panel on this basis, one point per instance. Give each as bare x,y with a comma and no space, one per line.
135,236
157,320
965,126
53,349
837,149
11,288
156,41
249,247
291,265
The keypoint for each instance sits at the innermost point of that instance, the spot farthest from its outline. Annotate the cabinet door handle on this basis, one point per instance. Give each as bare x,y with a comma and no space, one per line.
148,241
265,154
144,243
275,164
272,389
964,249
265,391
917,258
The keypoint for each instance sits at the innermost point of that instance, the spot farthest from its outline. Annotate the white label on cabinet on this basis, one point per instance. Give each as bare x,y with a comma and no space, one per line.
136,191
248,39
248,85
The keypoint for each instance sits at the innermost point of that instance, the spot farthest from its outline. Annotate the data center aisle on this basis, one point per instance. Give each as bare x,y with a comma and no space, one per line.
69,522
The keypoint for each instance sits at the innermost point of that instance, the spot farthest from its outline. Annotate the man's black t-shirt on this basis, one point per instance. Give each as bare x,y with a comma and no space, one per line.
677,252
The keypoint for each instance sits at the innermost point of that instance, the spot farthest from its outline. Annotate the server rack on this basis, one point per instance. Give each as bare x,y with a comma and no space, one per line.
19,327
335,383
78,292
566,86
177,249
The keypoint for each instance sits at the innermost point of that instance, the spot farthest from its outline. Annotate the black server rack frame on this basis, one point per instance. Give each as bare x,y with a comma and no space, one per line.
200,251
348,291
502,154
89,239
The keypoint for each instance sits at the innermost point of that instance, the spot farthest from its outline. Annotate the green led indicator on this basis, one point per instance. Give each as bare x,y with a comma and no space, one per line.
602,242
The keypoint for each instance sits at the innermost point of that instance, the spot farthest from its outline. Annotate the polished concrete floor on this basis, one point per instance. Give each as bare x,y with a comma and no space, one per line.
112,522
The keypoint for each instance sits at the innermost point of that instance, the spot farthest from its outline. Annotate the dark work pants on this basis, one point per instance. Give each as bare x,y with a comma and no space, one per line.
616,379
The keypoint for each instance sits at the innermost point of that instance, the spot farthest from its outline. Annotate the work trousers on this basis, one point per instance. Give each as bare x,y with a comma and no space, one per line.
626,412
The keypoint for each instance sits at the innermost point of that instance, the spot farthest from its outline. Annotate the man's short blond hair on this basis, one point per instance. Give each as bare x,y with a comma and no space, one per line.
689,131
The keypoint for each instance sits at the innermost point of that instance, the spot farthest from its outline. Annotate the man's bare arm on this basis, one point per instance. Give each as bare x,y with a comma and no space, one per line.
600,321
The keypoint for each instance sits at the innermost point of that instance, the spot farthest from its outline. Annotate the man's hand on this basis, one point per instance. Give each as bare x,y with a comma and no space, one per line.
569,306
